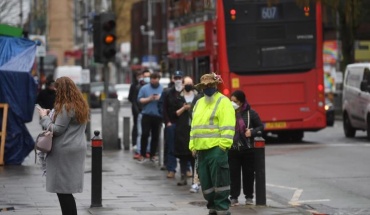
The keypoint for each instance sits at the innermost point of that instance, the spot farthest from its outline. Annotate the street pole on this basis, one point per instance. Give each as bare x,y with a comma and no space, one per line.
85,86
150,35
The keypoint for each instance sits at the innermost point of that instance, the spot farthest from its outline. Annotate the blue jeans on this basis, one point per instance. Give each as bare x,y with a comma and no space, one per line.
170,145
139,132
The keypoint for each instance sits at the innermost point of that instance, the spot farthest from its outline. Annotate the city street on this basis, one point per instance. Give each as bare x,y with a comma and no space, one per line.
326,174
327,171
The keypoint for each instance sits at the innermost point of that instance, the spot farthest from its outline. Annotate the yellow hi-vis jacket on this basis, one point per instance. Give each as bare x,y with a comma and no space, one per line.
213,124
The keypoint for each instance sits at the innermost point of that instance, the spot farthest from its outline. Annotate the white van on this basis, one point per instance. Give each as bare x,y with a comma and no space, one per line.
356,99
76,73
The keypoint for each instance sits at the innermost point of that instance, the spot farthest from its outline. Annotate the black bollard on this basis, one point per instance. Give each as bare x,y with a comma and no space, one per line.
126,133
96,170
259,147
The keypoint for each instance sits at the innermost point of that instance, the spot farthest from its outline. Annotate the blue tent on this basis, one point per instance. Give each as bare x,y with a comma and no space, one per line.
18,89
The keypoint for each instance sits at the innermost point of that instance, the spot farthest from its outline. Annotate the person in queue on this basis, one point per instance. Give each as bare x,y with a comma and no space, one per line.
151,122
65,164
211,136
241,154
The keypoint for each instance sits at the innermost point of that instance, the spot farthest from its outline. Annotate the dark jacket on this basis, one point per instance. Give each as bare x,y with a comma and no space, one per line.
182,131
255,124
136,105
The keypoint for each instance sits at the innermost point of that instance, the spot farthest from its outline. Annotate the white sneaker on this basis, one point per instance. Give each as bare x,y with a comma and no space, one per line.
194,188
249,201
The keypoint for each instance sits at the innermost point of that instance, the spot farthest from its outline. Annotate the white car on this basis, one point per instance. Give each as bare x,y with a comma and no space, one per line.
122,92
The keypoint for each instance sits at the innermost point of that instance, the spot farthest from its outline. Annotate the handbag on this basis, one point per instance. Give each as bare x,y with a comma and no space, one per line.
244,142
44,140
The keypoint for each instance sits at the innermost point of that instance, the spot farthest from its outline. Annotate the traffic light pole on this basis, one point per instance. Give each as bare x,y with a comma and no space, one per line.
85,87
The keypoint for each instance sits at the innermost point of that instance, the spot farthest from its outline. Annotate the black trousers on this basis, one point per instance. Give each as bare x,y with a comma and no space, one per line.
67,203
151,125
184,160
241,162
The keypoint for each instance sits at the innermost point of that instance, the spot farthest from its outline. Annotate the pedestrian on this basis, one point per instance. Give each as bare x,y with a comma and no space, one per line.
138,107
241,154
171,100
134,109
183,109
46,97
151,122
65,164
211,136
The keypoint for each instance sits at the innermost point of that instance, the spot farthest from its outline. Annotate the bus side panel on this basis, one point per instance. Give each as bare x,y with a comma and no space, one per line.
287,103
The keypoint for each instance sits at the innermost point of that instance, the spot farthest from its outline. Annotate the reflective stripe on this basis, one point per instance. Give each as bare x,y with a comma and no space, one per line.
206,135
211,122
208,191
220,189
205,127
222,212
227,128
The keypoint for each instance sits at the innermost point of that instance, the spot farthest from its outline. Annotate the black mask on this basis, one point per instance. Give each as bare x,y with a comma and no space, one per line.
188,87
154,85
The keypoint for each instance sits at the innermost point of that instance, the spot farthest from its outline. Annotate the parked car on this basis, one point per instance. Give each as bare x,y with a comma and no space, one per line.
356,99
329,108
96,93
122,93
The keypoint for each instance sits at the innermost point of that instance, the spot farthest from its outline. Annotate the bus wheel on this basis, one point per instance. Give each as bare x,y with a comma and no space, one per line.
349,131
297,136
290,136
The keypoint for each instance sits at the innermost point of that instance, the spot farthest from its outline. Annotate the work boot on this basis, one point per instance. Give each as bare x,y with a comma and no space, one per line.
183,181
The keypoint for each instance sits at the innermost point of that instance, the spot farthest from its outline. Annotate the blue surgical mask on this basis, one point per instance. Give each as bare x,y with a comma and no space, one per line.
146,80
209,91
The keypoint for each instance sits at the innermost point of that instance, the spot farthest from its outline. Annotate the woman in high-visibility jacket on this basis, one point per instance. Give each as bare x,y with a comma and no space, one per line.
211,135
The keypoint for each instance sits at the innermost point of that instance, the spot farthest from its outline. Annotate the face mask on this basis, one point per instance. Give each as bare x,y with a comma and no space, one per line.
188,87
209,91
235,106
154,85
146,80
178,85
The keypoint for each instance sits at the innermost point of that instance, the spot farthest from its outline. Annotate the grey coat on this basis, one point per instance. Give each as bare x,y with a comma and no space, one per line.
65,163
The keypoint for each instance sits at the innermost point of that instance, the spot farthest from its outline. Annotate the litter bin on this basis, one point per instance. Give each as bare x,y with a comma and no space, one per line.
110,112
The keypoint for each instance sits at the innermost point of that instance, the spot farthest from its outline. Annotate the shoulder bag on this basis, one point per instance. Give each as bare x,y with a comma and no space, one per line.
44,140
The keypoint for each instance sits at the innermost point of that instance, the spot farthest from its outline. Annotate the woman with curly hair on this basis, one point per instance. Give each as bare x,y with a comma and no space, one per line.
65,163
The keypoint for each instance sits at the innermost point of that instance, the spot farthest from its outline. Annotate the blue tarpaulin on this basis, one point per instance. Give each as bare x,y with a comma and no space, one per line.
18,89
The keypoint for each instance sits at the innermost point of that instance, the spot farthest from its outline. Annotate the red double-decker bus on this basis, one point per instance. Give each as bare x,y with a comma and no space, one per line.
273,53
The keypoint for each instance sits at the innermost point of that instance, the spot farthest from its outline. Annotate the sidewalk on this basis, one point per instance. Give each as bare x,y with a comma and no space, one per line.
129,188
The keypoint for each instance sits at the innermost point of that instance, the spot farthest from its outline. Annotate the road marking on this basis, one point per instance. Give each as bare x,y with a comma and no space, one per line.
283,187
296,195
314,200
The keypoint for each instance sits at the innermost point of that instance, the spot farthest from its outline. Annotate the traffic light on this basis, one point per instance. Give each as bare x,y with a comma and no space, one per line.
104,37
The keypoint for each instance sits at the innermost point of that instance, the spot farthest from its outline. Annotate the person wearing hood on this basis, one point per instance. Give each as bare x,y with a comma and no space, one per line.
241,154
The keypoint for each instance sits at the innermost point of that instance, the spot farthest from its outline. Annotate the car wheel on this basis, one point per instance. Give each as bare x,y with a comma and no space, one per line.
349,131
